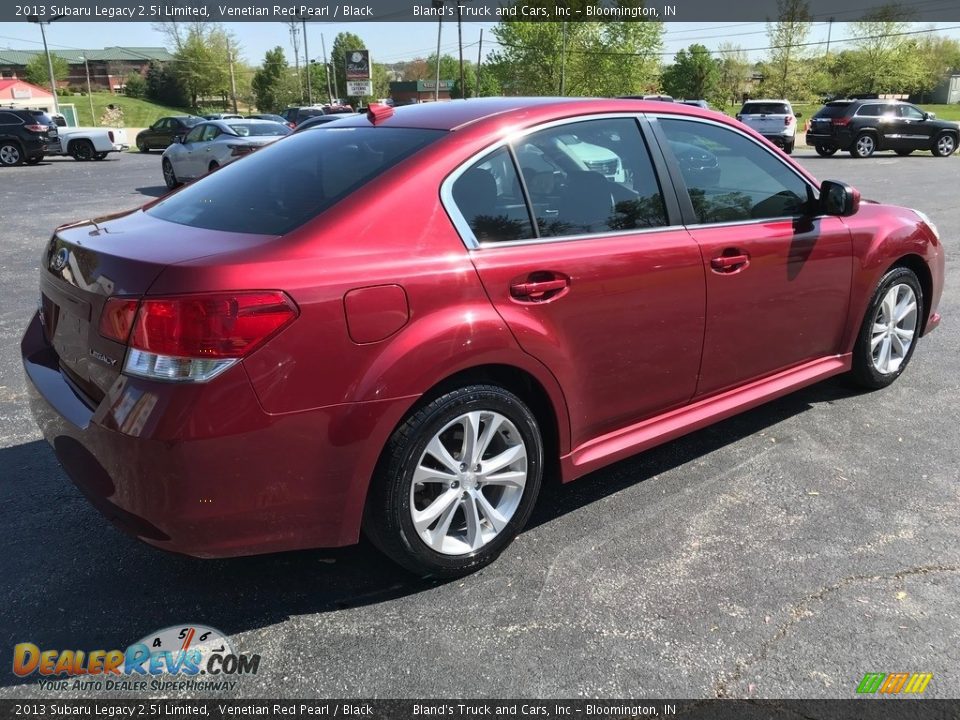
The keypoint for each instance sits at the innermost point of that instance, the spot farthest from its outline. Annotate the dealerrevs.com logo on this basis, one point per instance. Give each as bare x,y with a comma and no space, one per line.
180,657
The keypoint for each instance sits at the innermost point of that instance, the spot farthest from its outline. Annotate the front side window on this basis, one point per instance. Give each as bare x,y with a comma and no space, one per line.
589,177
729,177
909,112
490,198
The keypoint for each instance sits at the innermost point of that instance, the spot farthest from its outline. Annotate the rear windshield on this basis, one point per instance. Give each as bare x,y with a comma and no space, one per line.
282,186
42,118
765,109
267,127
190,121
832,110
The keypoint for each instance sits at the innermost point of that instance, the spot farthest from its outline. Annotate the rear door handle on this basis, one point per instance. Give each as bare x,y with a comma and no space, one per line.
726,263
538,290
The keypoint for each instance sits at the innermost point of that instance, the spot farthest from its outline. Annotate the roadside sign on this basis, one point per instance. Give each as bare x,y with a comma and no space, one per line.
359,88
358,64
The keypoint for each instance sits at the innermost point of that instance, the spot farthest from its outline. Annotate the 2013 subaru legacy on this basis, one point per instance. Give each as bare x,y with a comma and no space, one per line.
397,324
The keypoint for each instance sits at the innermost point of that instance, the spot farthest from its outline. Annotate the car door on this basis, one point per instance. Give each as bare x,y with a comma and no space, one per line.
203,155
189,162
155,133
778,279
583,256
914,128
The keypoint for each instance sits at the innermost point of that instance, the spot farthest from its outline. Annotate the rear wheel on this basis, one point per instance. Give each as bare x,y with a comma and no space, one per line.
142,146
100,156
788,146
903,153
824,151
10,154
864,146
945,145
890,330
457,481
169,176
82,150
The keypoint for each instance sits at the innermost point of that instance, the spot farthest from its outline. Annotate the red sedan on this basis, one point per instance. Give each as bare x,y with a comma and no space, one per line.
398,323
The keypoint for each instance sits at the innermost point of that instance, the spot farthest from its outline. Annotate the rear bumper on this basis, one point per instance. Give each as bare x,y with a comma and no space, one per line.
202,470
828,140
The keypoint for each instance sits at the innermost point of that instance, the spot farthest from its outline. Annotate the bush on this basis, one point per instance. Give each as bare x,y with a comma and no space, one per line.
135,86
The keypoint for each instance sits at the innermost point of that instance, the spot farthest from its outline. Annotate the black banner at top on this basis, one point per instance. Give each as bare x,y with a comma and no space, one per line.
341,11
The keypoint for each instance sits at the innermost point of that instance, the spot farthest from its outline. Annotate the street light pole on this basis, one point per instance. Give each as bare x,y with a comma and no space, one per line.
306,55
436,88
326,67
93,115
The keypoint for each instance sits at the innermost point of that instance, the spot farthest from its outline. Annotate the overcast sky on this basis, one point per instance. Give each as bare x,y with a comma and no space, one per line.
389,42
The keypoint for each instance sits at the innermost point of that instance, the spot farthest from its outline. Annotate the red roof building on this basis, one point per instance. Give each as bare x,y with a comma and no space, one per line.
21,94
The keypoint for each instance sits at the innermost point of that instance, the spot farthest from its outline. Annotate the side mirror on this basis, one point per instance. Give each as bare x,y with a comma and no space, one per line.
838,198
799,114
178,138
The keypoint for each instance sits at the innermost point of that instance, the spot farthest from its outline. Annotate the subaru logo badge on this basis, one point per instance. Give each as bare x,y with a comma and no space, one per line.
59,261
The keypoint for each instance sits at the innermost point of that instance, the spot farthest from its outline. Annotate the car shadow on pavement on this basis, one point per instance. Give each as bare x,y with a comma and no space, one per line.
153,190
71,580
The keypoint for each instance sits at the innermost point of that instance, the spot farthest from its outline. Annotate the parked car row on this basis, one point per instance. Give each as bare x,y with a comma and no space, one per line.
25,136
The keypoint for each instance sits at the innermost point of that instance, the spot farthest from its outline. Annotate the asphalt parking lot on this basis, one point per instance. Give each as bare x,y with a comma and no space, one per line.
783,553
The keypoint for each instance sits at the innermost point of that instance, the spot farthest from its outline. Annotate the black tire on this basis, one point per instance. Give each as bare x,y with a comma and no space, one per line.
824,151
864,372
169,176
142,146
33,160
213,166
11,154
903,153
864,145
788,147
944,145
100,156
387,518
82,150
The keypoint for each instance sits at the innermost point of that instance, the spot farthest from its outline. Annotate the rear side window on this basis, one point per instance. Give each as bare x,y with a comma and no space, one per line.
832,110
292,181
10,119
489,197
765,109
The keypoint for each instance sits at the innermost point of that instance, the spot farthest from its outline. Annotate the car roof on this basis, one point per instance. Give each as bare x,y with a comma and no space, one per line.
766,100
456,114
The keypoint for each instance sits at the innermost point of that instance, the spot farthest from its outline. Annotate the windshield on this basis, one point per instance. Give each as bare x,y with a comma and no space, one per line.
287,183
256,129
765,109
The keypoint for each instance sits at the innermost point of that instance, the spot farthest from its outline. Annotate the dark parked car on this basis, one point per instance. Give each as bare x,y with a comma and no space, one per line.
318,121
268,368
24,135
864,126
160,135
271,117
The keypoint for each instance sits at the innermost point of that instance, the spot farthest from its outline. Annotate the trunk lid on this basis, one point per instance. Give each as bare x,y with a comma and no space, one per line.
88,262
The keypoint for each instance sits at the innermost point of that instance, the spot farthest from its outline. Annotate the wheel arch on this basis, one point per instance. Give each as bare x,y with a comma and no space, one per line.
919,267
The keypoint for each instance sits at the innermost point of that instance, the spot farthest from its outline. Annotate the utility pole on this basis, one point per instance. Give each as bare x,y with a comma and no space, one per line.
463,87
439,5
479,60
306,64
93,115
46,50
327,68
563,59
233,79
829,33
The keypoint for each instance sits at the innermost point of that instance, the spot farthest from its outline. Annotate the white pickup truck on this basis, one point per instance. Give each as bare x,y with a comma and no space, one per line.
87,143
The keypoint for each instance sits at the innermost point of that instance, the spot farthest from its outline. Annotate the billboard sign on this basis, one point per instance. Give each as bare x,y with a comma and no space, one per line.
358,64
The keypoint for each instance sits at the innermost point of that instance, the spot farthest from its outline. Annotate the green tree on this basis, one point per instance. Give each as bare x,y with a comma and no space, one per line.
733,74
135,85
937,57
163,86
274,85
695,74
341,44
883,65
786,64
38,73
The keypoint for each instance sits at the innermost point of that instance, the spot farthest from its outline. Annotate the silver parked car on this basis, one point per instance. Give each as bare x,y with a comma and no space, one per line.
215,143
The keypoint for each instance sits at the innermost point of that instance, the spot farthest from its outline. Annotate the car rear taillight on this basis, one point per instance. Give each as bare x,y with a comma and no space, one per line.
36,127
194,338
788,120
840,121
240,150
110,135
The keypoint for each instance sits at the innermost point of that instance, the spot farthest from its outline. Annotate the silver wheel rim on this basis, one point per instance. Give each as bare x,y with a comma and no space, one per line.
468,482
9,154
945,145
865,145
894,328
168,175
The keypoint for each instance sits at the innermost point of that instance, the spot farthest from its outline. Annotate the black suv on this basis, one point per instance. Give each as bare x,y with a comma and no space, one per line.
864,126
24,135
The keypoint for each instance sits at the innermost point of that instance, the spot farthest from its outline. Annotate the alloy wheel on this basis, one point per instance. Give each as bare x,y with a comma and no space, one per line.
894,329
9,155
865,145
946,145
468,482
169,176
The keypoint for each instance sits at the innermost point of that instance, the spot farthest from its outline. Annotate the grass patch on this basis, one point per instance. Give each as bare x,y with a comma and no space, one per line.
136,113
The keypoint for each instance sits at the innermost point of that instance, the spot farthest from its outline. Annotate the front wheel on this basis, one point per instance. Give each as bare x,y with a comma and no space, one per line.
456,482
82,150
824,151
945,145
142,145
890,329
100,156
169,175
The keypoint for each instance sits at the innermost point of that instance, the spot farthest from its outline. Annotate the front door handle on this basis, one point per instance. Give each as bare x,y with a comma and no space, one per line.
537,290
729,263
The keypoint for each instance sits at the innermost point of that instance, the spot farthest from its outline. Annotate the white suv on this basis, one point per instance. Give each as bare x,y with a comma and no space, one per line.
774,119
